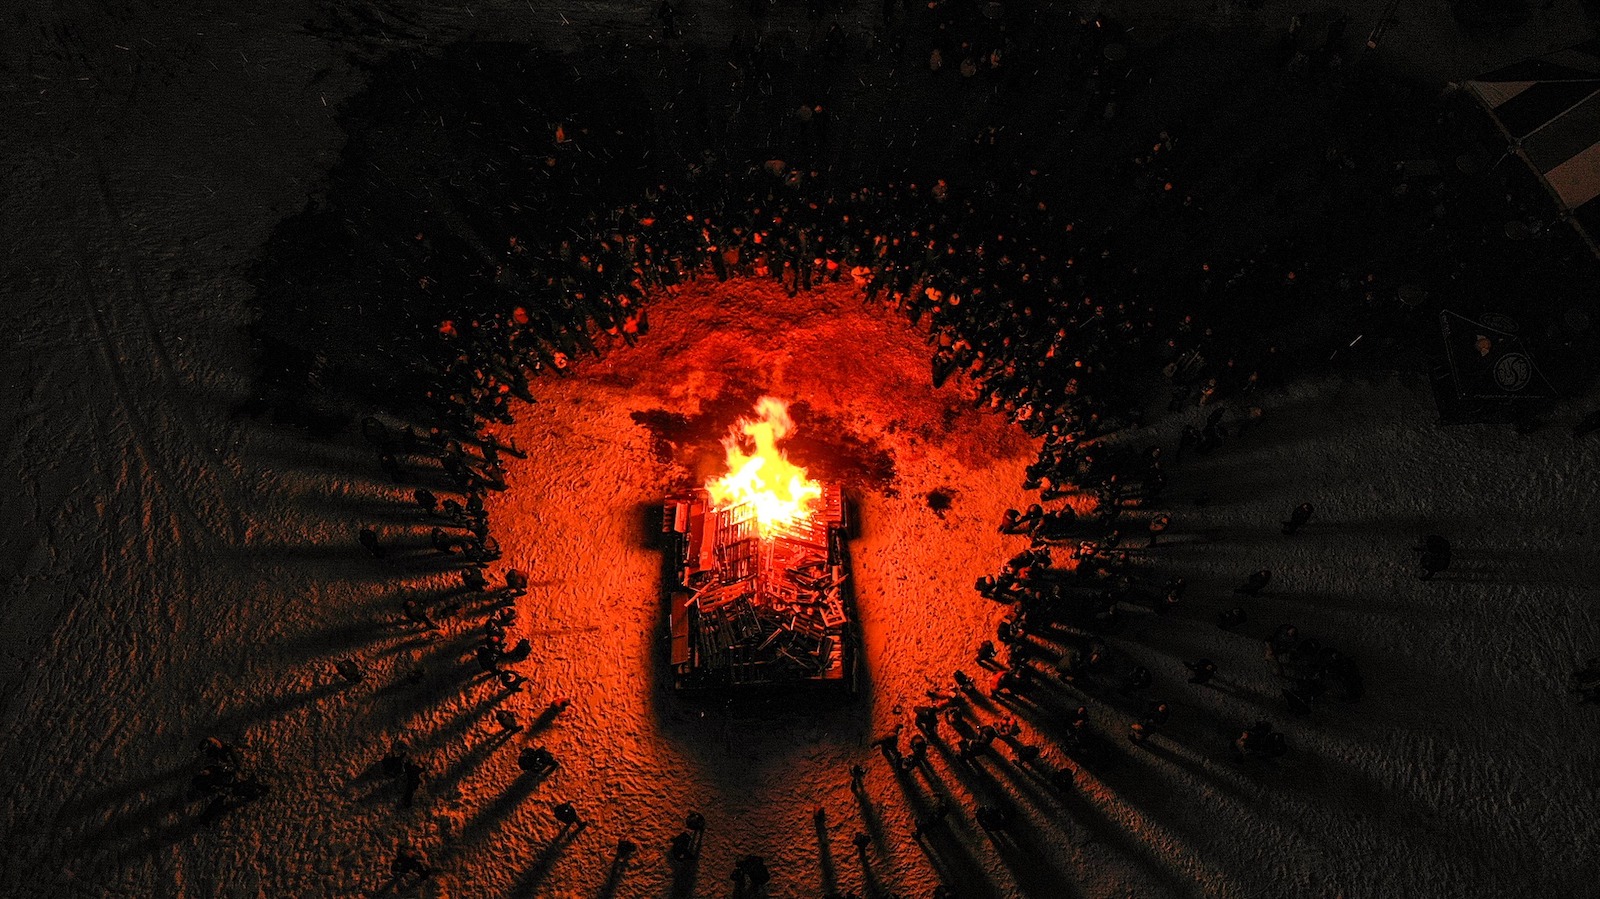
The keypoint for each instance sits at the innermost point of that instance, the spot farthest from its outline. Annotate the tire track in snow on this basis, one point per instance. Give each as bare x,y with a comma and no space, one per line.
165,369
112,336
225,494
144,444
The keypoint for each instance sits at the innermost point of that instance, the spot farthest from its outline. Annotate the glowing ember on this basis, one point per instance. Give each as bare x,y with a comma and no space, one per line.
759,474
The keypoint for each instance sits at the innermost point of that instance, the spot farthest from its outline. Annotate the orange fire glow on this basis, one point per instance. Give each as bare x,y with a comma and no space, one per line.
759,473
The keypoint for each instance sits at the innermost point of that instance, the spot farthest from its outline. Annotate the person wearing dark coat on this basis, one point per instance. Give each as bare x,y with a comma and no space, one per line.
1434,553
567,814
1297,519
1201,671
1256,583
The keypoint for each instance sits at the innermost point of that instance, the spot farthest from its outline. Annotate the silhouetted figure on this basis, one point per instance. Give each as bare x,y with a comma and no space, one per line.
411,775
1434,553
1281,646
516,582
567,814
686,845
442,543
751,869
1057,525
1158,526
1155,717
554,709
1031,518
215,778
488,658
1231,618
1256,583
218,752
508,722
1201,671
991,817
416,614
1172,595
350,671
536,760
1297,518
986,652
1260,740
393,764
965,683
408,864
918,754
369,542
518,653
426,501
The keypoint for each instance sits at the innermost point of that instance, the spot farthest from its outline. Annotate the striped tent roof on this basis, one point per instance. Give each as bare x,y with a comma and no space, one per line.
1549,108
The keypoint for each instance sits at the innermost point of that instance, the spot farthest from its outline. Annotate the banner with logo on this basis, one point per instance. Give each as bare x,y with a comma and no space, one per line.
1489,360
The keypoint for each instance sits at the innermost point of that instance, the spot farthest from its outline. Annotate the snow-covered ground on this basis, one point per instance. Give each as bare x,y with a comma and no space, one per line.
1466,771
170,573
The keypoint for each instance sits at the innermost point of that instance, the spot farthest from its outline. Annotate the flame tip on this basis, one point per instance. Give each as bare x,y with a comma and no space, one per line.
779,490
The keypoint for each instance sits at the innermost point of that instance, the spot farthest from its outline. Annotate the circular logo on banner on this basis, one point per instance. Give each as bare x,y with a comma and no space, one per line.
1512,372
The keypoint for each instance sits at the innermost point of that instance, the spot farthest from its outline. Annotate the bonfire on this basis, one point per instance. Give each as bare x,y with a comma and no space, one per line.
760,590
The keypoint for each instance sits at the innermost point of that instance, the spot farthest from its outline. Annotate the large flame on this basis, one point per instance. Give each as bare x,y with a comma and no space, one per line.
759,473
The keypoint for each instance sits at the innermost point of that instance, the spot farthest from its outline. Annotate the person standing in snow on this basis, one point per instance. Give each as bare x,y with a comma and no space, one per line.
1297,519
408,864
567,814
1154,718
1158,526
350,671
1201,671
1280,648
1256,583
369,542
411,779
1434,552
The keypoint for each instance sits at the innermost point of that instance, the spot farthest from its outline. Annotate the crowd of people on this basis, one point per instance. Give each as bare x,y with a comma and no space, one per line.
1042,315
1031,309
1049,319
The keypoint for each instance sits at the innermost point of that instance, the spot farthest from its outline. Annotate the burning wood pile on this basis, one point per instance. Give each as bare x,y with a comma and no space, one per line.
761,590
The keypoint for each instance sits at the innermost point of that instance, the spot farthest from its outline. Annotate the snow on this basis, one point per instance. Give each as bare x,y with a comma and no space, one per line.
172,573
1465,761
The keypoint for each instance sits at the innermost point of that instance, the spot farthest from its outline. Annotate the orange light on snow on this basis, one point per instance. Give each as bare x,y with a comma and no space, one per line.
759,474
